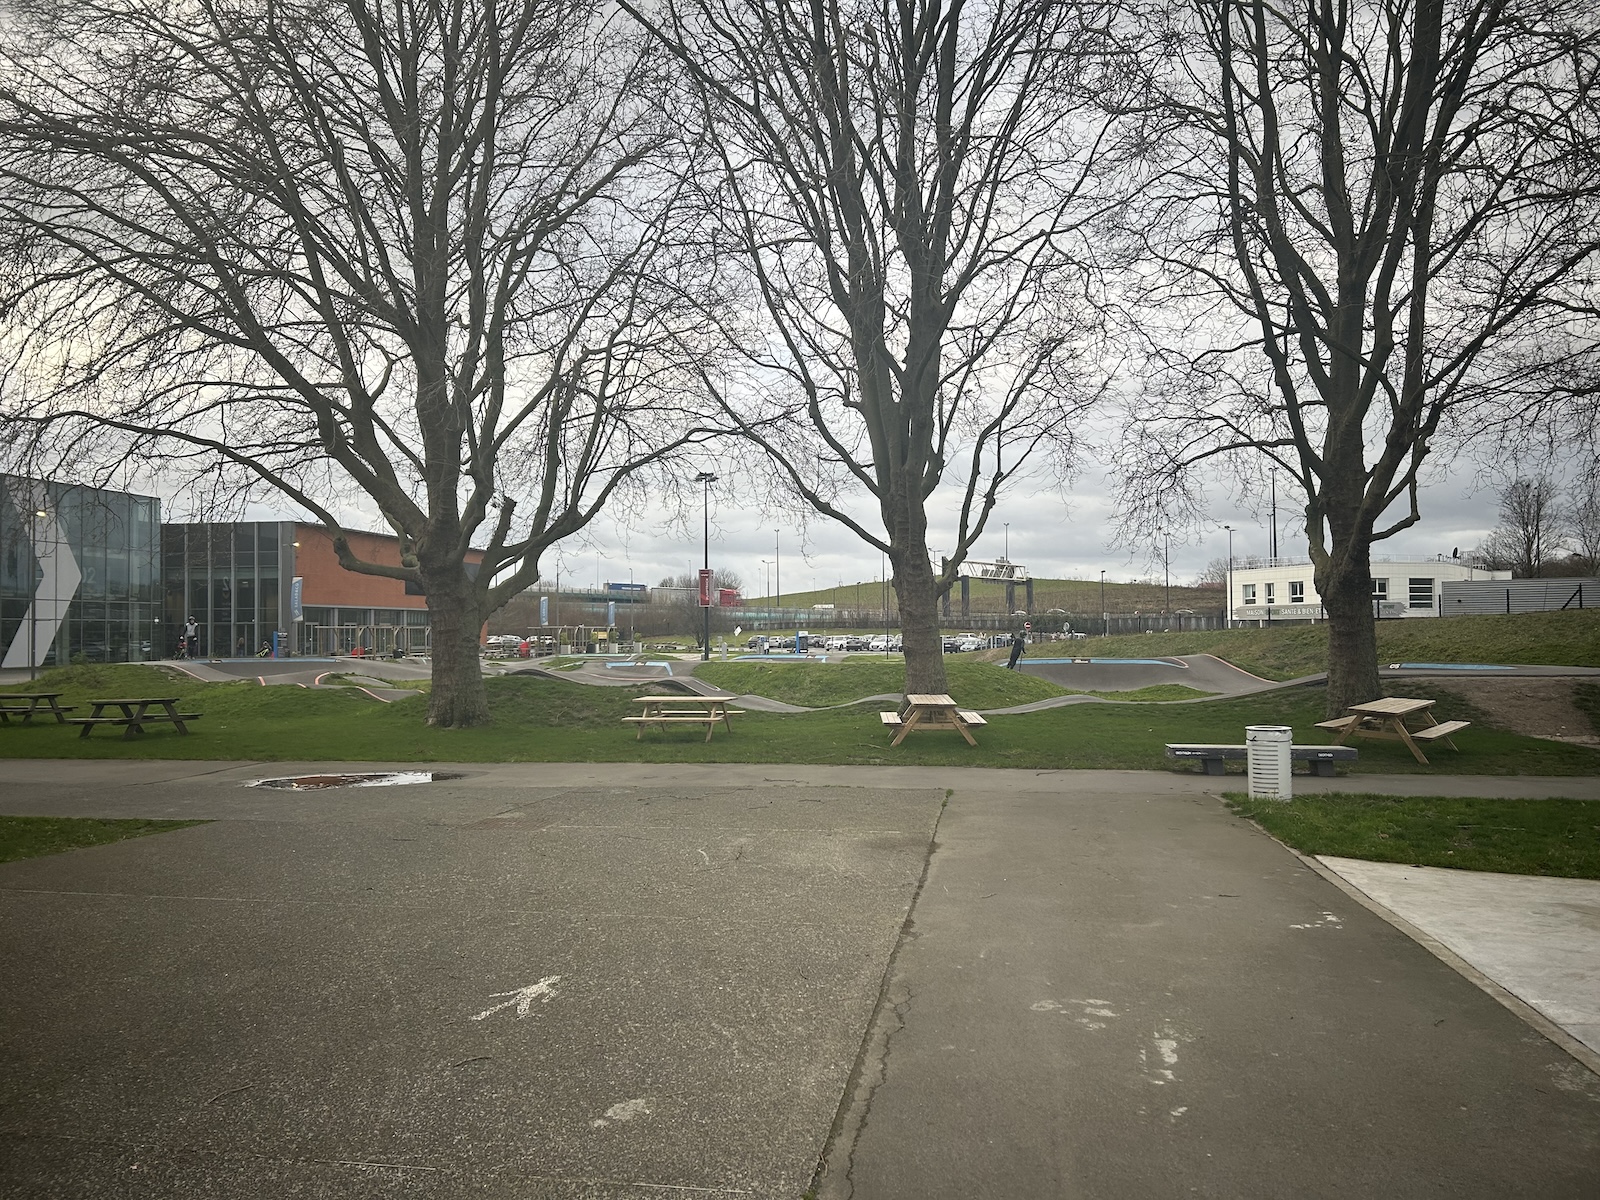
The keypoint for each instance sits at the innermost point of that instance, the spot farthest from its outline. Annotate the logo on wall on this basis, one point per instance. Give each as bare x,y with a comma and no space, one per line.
58,583
296,612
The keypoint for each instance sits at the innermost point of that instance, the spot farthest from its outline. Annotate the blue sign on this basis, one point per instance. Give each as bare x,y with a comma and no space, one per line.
544,610
296,612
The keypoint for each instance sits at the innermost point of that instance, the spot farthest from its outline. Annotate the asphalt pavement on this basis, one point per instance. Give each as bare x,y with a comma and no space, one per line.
623,980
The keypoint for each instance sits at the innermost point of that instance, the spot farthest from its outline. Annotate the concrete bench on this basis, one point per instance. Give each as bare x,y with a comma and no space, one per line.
1213,757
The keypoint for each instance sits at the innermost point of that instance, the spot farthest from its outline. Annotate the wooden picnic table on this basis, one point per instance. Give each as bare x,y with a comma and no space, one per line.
662,711
925,710
1395,719
38,702
135,715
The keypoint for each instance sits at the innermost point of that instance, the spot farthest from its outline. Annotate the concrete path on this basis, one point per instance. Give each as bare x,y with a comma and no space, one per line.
1060,984
473,989
1536,937
1123,997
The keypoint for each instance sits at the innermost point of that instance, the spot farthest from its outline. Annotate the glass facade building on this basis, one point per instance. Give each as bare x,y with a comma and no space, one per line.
232,578
79,575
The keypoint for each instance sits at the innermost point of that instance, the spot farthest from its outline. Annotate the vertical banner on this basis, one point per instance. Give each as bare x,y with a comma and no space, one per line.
296,612
544,610
705,587
611,614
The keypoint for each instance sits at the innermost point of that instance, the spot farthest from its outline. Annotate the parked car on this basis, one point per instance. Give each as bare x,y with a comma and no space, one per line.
968,645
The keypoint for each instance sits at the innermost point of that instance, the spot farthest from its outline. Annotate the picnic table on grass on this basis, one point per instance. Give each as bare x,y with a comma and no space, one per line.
662,711
38,702
135,714
1395,719
931,711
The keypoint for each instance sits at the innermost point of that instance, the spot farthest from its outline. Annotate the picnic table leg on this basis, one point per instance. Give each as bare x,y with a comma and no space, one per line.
1350,726
1398,724
1447,739
961,728
906,726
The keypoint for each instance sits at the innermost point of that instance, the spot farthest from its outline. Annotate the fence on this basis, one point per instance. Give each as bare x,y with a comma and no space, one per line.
1477,597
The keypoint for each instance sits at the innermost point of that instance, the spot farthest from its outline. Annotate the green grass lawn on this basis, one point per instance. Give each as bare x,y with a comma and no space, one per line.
550,720
1569,639
29,837
1519,837
974,682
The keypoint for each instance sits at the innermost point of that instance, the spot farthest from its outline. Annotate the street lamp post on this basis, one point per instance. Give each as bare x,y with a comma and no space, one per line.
1166,570
1227,609
705,479
1007,525
777,572
1105,616
33,606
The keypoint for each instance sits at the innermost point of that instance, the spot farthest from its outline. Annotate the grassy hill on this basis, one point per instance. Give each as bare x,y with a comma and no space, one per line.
1570,639
1078,596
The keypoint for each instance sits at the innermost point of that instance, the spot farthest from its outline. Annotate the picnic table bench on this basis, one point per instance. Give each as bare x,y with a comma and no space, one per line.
38,702
662,711
135,714
931,711
1214,757
1387,719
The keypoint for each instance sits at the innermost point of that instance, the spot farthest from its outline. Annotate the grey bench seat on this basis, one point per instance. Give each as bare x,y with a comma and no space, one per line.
1214,756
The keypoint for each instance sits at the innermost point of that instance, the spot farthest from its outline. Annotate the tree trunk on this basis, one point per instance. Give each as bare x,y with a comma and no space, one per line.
1346,589
914,585
458,697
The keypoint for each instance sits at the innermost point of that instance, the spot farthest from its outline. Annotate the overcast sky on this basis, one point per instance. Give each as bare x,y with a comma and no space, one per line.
1052,537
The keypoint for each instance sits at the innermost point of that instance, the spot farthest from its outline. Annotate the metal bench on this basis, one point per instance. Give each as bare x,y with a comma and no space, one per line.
1214,757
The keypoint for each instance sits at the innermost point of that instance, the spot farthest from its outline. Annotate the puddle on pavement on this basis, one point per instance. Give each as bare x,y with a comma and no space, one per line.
312,783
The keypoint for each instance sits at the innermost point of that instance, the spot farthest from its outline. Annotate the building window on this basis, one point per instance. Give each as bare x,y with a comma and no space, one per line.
1249,590
1272,593
1297,591
1380,589
1421,593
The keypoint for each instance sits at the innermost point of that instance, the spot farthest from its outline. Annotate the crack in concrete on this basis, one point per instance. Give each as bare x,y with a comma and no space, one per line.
871,1069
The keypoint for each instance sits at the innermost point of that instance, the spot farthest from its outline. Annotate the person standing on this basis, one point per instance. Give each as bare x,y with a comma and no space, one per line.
1019,639
191,637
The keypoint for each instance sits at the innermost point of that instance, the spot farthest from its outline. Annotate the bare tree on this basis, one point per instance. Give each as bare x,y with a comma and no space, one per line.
1378,224
424,254
908,182
1583,519
1215,574
1530,532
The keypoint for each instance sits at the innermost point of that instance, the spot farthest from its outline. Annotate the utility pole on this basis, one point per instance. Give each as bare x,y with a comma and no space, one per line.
1166,570
705,479
1274,548
1227,608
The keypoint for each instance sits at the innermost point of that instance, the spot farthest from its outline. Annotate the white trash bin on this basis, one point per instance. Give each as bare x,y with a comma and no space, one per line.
1267,750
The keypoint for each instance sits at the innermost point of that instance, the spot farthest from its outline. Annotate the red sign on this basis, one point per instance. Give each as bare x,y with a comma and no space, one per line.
705,587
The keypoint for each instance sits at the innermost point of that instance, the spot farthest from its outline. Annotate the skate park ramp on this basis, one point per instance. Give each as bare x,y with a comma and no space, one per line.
1202,672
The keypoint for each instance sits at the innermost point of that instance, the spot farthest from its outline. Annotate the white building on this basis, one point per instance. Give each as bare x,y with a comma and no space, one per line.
1283,589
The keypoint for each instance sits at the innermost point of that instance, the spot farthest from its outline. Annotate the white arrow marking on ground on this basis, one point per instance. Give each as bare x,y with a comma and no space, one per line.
523,997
